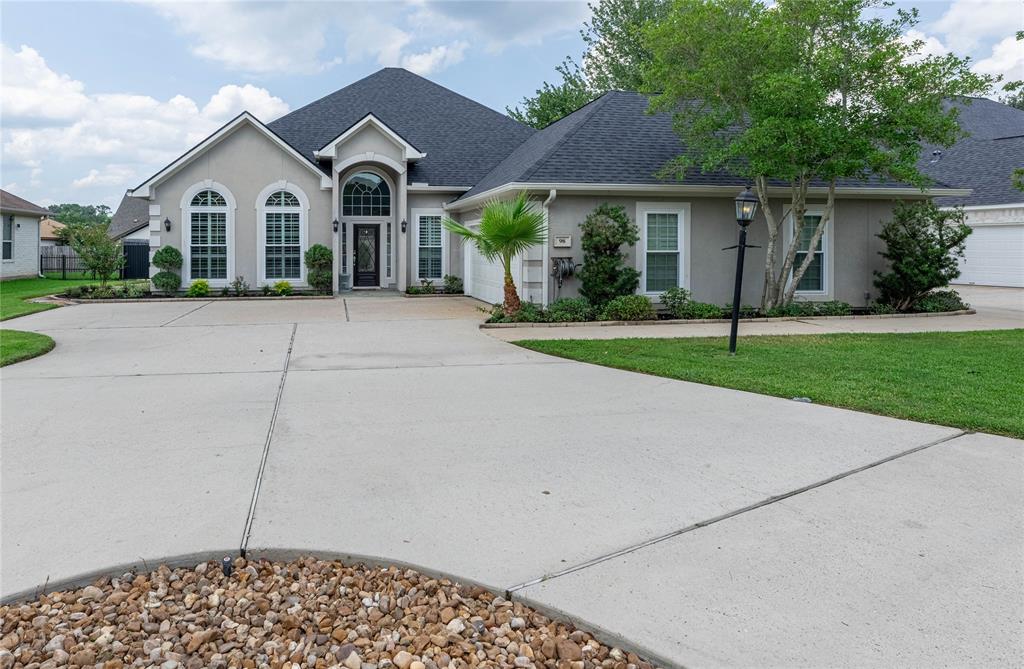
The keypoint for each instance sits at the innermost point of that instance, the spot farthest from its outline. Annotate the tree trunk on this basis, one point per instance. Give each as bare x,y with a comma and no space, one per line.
768,294
512,302
819,231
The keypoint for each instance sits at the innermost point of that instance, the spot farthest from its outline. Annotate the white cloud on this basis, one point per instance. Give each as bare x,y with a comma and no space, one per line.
500,23
121,135
969,23
1007,59
437,58
931,45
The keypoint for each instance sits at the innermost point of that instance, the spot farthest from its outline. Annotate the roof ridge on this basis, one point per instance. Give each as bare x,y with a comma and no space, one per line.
597,104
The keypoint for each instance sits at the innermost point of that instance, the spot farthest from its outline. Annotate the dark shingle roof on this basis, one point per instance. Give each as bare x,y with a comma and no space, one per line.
612,140
12,203
985,159
131,215
463,139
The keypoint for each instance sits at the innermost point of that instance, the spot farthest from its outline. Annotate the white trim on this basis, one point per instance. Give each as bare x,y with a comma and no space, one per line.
416,214
330,150
689,189
827,252
144,190
983,207
682,211
369,157
426,188
186,230
12,218
261,230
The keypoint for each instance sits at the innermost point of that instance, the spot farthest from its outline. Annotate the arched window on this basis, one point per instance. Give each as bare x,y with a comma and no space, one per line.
208,236
282,245
366,194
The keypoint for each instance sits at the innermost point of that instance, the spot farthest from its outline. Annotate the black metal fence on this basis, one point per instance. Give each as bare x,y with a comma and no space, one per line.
61,262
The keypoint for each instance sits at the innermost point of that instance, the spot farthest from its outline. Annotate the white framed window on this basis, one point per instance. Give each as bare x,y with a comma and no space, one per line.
366,194
283,211
8,239
662,256
815,280
207,231
429,240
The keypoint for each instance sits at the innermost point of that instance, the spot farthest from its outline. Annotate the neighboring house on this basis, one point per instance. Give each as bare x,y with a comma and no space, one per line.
131,220
984,162
48,232
372,169
19,255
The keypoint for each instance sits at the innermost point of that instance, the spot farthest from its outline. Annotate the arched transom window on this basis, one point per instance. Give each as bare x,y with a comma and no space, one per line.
366,194
283,236
208,240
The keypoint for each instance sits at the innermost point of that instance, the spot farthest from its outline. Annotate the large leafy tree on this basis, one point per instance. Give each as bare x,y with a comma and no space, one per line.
797,97
615,56
507,229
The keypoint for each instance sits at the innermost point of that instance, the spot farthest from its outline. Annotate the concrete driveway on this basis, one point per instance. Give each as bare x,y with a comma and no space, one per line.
699,525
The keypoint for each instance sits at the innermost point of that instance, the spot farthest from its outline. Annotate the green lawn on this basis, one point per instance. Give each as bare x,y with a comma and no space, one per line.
970,380
13,294
16,346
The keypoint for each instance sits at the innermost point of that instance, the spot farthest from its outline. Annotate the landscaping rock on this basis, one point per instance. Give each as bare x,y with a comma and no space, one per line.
307,612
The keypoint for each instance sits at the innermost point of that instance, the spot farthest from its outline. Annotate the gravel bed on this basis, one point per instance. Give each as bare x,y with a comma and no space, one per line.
303,613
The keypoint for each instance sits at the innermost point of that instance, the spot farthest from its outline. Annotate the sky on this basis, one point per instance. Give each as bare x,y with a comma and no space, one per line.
97,96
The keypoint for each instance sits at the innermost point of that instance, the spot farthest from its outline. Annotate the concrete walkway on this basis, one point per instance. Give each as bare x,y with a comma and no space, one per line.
997,309
699,525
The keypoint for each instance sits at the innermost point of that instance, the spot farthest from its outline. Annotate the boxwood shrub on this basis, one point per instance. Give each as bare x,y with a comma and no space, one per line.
570,310
629,308
167,281
199,288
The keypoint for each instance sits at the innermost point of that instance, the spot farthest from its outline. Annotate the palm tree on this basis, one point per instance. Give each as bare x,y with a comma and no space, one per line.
507,229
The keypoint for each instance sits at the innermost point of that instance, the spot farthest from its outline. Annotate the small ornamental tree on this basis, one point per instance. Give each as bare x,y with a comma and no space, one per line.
100,254
799,97
319,267
604,275
922,244
168,260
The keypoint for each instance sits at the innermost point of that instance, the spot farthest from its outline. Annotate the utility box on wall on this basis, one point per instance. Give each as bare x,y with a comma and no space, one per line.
562,241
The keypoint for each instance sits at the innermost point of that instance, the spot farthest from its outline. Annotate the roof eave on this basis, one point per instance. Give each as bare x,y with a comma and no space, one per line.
329,150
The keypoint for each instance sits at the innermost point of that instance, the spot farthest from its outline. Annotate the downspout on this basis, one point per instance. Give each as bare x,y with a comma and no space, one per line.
39,249
546,254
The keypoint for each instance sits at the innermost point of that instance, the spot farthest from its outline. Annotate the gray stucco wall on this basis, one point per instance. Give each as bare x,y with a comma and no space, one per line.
245,162
853,244
25,257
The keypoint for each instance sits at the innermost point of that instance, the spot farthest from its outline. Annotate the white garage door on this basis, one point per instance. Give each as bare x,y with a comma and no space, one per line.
483,279
994,256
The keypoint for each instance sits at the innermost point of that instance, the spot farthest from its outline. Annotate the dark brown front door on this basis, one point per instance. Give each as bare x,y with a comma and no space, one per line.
367,267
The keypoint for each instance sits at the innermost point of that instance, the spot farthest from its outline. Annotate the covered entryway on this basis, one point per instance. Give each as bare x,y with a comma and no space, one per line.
994,256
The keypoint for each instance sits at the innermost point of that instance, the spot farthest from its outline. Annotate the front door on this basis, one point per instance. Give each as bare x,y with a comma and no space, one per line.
367,266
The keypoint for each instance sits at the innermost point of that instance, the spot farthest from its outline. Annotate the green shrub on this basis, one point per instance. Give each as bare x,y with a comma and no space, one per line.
833,308
922,245
199,288
604,275
880,308
239,286
266,289
700,311
939,301
167,281
103,292
528,313
320,267
793,309
675,300
74,292
746,311
282,288
427,287
414,290
224,292
628,308
167,258
570,310
452,284
135,289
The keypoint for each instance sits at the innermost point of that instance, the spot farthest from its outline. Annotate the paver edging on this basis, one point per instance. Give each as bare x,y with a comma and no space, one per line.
685,321
208,298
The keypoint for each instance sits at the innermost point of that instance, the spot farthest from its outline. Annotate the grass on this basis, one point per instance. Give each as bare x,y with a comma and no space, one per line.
14,292
969,380
16,346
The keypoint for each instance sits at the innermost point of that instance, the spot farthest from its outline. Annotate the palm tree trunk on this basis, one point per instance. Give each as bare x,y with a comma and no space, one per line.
512,302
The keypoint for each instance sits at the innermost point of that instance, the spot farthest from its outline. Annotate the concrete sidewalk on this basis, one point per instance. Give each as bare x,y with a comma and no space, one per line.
392,428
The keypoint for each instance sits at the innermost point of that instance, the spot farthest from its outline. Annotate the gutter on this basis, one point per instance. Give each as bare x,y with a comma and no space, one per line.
546,252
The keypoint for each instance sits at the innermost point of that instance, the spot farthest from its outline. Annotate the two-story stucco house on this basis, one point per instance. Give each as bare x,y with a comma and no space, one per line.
372,169
19,256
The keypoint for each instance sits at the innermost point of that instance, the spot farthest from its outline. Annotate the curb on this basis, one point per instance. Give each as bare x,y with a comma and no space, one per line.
208,298
682,321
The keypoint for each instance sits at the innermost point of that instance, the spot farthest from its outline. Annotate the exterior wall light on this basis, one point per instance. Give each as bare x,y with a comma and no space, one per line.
167,224
404,224
746,208
335,225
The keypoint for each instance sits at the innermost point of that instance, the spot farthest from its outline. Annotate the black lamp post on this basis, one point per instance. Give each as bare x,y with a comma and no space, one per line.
746,207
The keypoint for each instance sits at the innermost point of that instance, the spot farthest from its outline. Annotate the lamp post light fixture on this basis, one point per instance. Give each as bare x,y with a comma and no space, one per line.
167,224
746,207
